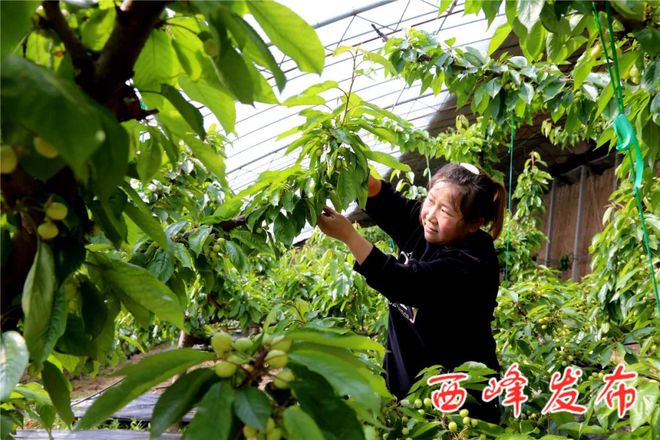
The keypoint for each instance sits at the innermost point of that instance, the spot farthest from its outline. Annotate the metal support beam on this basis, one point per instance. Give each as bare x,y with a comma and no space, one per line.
578,223
551,217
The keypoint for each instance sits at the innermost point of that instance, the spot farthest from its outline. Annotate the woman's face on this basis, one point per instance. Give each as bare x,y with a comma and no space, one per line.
441,216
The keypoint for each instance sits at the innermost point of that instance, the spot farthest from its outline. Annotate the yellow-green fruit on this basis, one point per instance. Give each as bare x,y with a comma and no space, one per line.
464,413
47,230
404,419
211,47
635,76
56,211
405,402
452,426
276,359
217,247
405,431
221,343
421,412
266,339
275,434
474,422
428,402
225,369
249,431
270,424
8,160
243,344
466,421
281,343
44,148
283,379
418,403
596,52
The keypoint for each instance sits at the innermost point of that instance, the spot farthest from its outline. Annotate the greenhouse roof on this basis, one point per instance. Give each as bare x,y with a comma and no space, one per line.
254,147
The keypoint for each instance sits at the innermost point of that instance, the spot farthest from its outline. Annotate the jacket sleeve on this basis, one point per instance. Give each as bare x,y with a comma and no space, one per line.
395,214
416,283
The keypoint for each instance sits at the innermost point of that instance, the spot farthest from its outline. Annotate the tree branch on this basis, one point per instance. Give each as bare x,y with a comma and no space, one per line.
79,56
135,21
234,223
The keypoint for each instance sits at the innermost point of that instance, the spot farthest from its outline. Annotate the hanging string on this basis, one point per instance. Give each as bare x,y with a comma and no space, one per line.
626,134
510,189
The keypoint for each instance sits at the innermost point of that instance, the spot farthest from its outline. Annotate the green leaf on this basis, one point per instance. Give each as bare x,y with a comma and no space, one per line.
234,74
212,160
96,31
581,70
299,425
526,92
189,112
252,407
649,38
648,394
197,238
535,39
139,212
140,286
161,266
139,378
37,303
444,5
500,35
335,339
149,160
630,9
518,62
179,398
386,159
555,45
13,361
590,91
340,373
157,63
215,418
303,45
284,229
32,92
529,12
59,390
346,189
108,214
552,22
251,44
188,50
110,161
181,253
15,23
310,96
332,414
491,8
93,308
651,77
213,96
236,255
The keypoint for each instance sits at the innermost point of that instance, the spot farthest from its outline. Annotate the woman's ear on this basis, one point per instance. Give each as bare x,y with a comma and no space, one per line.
474,226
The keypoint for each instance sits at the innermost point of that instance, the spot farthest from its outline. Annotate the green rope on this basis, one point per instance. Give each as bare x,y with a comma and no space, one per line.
508,229
626,135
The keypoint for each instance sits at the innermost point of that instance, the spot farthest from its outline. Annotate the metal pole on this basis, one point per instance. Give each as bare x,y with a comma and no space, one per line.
578,223
551,216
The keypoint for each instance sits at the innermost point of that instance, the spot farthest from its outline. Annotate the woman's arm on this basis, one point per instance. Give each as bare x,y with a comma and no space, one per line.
337,226
374,186
397,215
419,283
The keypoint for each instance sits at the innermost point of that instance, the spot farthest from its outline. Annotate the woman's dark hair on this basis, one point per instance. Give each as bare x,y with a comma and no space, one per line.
481,197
